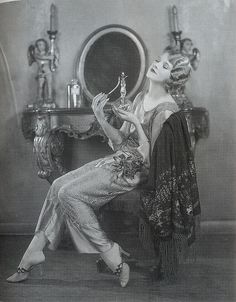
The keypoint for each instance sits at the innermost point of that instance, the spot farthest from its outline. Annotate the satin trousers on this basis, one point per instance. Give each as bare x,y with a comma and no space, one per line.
74,198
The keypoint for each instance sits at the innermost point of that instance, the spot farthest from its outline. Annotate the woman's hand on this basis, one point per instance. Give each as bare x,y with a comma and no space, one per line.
127,116
98,104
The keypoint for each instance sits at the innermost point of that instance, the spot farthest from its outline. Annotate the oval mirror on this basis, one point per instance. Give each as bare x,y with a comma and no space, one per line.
107,53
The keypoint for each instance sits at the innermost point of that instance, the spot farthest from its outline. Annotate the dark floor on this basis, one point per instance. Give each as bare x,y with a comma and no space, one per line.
71,277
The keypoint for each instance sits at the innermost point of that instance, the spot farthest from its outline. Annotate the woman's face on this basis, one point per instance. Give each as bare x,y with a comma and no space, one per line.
160,69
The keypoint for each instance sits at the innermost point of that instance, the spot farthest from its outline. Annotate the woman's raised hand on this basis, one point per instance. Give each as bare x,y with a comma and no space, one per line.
99,101
126,115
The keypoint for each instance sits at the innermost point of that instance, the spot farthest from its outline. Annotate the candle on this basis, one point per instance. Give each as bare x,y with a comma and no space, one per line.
68,95
175,18
52,17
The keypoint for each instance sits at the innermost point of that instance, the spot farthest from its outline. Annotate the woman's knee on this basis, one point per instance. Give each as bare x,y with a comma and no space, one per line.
58,183
66,192
62,193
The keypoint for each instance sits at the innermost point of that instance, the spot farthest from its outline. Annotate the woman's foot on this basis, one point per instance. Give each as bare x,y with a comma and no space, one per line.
113,260
102,266
26,265
122,271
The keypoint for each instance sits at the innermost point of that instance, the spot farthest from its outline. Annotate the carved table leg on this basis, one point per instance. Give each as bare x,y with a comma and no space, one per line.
48,147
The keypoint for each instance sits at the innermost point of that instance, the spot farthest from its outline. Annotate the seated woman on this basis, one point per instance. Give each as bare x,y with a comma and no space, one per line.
74,197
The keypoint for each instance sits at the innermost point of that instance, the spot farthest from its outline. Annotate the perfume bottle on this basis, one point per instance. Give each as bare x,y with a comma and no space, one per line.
74,95
122,103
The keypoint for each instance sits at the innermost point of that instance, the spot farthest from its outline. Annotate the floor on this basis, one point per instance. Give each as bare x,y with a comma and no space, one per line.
71,277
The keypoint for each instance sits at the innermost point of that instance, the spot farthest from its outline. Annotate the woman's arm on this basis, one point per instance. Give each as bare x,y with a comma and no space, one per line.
112,133
125,128
142,138
144,144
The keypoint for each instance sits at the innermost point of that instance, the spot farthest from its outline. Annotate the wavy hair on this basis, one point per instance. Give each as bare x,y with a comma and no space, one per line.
180,72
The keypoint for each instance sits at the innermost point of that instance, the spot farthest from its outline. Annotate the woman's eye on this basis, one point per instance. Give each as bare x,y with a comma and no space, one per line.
158,60
166,65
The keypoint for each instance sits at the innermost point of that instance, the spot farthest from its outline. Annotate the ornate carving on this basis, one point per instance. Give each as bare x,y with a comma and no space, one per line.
27,126
48,136
48,147
94,130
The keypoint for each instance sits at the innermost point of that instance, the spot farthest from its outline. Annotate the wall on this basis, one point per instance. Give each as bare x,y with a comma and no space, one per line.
209,23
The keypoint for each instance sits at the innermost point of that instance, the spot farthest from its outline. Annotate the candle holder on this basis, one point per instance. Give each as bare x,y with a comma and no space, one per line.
176,33
45,55
177,38
52,37
185,48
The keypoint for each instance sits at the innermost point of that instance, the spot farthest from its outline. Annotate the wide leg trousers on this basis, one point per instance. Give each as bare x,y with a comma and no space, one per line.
73,200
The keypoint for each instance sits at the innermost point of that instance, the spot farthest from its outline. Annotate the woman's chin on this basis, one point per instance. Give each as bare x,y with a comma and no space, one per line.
153,77
155,80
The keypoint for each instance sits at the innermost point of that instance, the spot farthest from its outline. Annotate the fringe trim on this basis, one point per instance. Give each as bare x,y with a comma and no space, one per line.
172,251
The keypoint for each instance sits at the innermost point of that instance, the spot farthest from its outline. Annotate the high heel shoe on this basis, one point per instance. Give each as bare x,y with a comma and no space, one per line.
113,260
22,273
102,266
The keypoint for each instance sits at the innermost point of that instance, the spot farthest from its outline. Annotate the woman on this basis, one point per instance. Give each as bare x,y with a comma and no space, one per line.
73,197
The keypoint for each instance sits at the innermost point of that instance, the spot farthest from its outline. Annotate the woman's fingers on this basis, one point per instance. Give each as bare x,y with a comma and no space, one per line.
126,115
97,99
96,96
122,116
101,98
98,103
122,112
118,110
103,101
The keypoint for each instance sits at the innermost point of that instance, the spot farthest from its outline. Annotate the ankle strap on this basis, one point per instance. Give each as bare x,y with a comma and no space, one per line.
118,270
22,270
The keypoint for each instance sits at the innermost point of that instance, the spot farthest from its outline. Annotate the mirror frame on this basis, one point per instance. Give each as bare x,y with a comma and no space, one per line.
92,38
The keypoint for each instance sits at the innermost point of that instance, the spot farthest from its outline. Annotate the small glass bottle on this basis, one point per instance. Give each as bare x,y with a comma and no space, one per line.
74,96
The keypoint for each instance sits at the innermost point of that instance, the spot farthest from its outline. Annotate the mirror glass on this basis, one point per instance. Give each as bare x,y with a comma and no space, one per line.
107,53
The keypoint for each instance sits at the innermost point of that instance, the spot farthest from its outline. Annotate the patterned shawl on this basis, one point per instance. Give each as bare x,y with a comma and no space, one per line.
170,199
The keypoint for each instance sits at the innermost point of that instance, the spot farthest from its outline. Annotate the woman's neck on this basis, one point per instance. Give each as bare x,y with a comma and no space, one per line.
156,91
155,96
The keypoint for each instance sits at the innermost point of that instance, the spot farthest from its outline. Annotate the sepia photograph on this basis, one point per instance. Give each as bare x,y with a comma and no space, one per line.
117,151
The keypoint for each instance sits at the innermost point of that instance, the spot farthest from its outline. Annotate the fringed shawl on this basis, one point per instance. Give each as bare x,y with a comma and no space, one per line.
170,199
